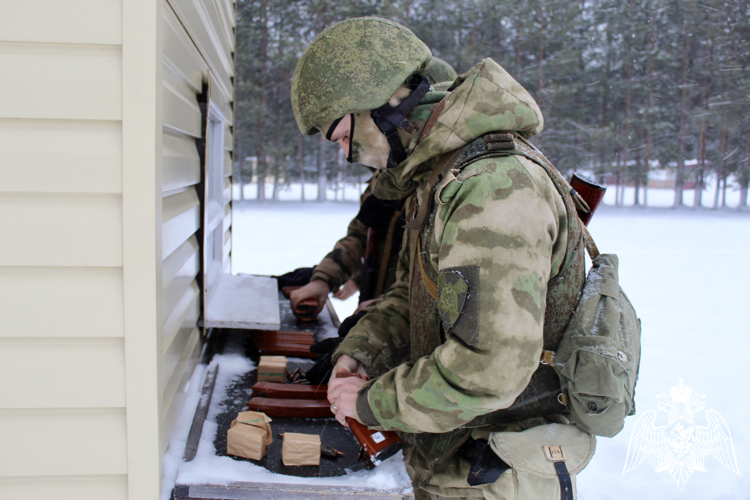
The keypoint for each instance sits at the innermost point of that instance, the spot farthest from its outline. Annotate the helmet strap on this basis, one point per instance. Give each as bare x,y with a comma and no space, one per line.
390,120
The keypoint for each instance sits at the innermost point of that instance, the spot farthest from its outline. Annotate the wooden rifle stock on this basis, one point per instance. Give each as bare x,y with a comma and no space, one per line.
591,192
284,349
378,445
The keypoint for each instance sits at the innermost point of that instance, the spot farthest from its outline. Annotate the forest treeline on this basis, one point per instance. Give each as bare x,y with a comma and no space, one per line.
625,86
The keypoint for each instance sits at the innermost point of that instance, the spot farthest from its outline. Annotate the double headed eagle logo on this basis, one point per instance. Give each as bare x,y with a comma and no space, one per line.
681,446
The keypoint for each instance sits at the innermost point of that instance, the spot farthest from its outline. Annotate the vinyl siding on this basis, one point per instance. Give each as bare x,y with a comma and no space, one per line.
76,347
197,49
62,363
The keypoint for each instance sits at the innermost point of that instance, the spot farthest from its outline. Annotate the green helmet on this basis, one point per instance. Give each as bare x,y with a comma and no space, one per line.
353,66
439,71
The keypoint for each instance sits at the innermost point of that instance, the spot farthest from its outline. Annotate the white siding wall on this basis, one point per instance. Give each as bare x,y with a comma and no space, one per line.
80,416
62,363
198,41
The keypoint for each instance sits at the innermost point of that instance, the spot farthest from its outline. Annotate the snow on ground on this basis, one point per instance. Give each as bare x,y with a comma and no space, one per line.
686,273
207,468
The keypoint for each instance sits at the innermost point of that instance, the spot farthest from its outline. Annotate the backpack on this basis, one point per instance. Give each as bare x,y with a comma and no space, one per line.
599,355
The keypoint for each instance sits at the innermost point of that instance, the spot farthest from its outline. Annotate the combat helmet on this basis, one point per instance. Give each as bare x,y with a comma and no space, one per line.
353,66
439,71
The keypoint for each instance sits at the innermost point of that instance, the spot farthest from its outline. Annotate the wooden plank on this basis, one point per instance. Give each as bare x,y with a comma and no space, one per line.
109,487
62,373
181,165
88,298
59,442
66,156
180,54
60,82
194,436
71,21
180,107
273,491
61,230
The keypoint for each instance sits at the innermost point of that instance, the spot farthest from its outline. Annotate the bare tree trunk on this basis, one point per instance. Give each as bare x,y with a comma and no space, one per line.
301,164
744,177
321,170
263,54
679,181
649,118
276,171
540,88
721,174
628,94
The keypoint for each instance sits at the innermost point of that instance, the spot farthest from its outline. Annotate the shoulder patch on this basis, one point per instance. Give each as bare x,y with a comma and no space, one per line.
458,302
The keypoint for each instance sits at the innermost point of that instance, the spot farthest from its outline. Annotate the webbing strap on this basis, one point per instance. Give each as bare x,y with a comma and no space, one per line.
430,285
566,485
386,257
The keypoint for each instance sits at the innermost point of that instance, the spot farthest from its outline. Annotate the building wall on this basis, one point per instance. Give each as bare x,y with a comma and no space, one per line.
99,207
62,363
198,45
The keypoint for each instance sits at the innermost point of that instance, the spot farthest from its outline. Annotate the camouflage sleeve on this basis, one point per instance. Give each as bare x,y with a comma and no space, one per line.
344,262
499,235
380,340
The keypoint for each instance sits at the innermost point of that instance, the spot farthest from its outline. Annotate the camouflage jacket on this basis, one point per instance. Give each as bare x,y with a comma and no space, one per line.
496,235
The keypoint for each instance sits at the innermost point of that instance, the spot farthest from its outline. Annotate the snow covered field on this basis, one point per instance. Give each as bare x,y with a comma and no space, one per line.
686,273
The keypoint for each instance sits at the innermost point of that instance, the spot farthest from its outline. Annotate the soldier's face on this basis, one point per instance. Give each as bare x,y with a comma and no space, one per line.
368,144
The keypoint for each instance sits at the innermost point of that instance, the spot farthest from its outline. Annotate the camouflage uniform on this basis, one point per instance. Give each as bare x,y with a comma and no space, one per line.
496,238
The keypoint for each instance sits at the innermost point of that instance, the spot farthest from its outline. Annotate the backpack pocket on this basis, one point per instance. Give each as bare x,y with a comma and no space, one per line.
534,456
598,356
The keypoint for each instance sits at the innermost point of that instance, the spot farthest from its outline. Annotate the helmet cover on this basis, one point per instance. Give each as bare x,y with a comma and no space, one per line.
353,66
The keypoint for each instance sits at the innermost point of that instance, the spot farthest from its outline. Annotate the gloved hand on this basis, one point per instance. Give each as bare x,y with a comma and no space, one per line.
299,277
321,370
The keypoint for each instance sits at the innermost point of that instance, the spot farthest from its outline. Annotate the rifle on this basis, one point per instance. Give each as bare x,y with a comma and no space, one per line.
590,192
376,445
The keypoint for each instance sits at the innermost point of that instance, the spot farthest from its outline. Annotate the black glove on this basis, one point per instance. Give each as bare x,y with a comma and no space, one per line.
298,277
349,323
321,370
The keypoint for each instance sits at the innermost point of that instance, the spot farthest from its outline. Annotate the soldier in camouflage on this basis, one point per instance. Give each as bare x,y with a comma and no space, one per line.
488,274
340,270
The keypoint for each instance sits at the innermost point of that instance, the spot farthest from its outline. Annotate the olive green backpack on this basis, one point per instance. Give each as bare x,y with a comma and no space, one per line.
599,354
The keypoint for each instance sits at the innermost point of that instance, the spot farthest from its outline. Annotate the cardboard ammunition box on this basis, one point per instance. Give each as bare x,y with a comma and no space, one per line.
249,435
272,369
300,449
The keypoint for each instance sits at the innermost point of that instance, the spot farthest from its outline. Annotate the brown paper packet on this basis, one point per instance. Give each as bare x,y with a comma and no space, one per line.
249,435
300,449
272,369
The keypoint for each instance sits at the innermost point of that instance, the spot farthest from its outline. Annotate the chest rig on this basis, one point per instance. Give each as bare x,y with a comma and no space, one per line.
542,396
